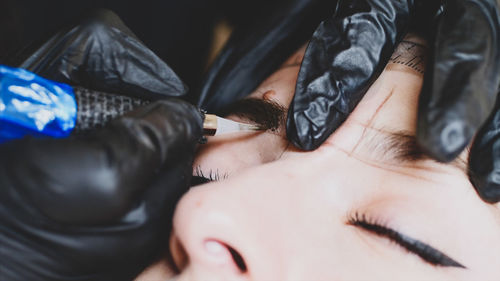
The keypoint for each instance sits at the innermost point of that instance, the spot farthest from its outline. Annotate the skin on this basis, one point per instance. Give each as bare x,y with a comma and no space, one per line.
286,212
222,154
227,154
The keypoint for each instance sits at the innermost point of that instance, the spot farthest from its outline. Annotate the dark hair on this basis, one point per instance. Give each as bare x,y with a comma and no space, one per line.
400,147
267,114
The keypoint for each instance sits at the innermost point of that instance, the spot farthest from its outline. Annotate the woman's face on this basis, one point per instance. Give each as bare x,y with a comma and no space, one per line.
367,205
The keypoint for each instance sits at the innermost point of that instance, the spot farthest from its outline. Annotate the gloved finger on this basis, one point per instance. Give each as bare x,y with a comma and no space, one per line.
102,54
345,54
255,51
98,178
484,159
462,77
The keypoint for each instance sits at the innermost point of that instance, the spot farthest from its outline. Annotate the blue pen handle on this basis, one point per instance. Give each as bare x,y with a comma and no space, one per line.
32,105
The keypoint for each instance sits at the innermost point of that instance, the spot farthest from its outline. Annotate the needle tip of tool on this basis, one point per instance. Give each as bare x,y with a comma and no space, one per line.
230,126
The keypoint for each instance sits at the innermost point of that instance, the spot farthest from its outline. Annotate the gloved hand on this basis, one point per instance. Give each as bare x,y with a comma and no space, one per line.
349,49
96,207
101,53
484,160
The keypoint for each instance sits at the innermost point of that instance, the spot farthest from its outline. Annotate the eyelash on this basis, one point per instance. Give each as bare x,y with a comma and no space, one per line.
411,245
212,175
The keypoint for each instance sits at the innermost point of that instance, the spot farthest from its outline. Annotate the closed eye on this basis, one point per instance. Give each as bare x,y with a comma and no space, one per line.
426,252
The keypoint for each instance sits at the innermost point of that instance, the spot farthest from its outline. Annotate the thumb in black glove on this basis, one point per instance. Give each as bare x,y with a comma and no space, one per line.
99,207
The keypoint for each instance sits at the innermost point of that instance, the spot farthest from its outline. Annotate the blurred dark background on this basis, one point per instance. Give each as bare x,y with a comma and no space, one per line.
178,31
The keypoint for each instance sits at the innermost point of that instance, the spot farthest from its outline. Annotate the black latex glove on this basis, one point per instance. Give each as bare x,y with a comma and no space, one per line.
349,49
101,53
484,160
99,207
257,49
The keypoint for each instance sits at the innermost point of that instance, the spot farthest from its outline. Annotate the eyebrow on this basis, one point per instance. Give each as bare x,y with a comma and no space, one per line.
267,114
393,146
400,147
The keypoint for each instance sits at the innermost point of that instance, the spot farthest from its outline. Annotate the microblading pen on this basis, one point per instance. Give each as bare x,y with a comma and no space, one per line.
214,125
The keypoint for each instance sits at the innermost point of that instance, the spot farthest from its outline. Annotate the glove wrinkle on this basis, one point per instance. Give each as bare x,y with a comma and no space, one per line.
103,54
346,53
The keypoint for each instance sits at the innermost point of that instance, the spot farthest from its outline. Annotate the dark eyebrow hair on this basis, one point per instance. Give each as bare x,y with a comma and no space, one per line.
404,147
400,147
267,114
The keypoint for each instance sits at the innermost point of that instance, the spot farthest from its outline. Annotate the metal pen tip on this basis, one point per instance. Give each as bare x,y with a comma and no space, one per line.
214,125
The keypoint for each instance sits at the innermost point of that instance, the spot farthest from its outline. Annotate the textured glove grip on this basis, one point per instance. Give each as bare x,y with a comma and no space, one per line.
96,109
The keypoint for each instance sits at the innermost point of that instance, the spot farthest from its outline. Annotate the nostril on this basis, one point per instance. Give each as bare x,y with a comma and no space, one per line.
217,248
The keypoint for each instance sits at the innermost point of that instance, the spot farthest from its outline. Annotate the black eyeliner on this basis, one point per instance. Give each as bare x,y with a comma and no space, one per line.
424,251
197,180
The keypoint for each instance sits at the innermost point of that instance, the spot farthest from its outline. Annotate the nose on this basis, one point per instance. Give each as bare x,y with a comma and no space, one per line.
220,240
